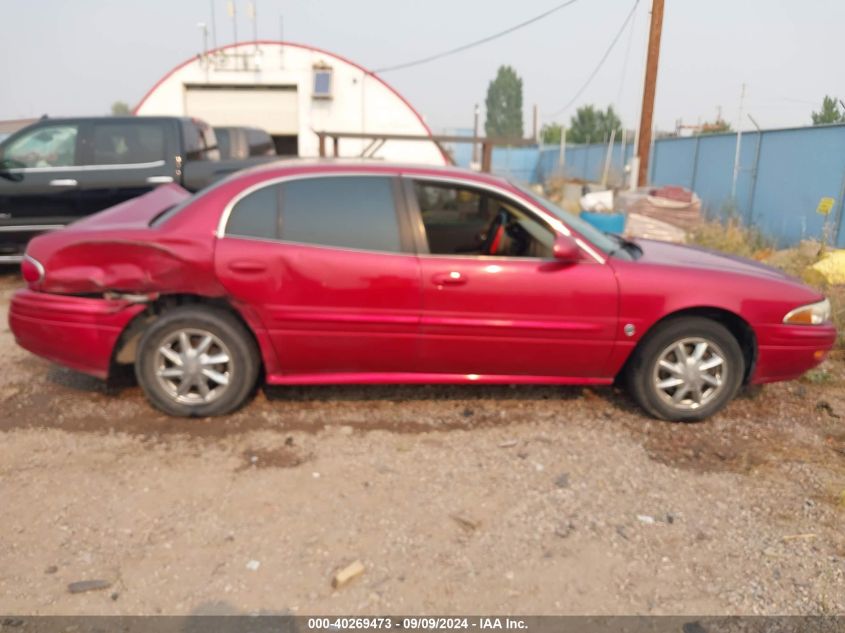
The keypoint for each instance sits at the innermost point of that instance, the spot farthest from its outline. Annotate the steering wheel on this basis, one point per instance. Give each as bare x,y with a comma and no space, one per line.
494,234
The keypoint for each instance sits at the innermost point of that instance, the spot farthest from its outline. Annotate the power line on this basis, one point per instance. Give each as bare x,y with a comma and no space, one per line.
489,38
600,64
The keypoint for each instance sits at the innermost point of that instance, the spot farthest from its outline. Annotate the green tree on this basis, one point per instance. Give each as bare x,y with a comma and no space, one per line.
830,112
120,108
715,127
504,104
551,133
592,125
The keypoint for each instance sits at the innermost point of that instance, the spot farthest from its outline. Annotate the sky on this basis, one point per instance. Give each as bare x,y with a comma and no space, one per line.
77,57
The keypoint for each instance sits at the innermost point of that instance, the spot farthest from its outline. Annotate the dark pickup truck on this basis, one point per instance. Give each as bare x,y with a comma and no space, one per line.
58,170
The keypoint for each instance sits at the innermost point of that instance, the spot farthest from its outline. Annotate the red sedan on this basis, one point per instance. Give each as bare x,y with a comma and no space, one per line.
319,273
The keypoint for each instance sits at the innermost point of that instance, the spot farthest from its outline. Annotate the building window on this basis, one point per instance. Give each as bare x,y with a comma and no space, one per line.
322,82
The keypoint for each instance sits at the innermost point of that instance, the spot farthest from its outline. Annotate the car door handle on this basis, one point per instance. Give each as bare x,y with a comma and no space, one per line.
63,182
247,266
159,180
453,278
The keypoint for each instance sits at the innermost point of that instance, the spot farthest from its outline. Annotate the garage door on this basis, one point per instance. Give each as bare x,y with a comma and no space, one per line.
272,108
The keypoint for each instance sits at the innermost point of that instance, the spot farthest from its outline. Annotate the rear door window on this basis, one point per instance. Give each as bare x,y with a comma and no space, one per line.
344,211
357,212
127,143
256,215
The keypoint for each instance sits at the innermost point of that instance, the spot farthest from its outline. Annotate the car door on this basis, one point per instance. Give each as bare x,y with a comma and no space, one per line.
124,158
515,312
327,266
39,170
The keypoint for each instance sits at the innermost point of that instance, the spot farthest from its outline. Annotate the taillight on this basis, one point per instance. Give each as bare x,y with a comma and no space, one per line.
32,270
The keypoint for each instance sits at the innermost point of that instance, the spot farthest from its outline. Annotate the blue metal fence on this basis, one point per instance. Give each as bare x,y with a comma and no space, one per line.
782,176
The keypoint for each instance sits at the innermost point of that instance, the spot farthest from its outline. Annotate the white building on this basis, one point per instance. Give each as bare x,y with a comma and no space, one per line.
292,91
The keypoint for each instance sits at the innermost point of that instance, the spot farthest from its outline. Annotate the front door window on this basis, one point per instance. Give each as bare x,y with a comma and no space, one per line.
465,221
45,146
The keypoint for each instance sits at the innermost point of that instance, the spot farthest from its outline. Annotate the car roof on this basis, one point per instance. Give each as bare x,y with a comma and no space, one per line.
293,166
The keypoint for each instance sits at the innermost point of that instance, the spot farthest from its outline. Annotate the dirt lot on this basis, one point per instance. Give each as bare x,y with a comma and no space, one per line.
522,500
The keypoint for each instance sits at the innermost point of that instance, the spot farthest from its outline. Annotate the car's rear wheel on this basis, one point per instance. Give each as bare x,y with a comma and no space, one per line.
687,369
196,361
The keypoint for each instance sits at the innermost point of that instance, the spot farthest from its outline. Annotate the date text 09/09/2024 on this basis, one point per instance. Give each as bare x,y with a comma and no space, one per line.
415,623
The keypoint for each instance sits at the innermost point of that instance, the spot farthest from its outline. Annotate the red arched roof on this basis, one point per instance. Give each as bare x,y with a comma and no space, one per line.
293,44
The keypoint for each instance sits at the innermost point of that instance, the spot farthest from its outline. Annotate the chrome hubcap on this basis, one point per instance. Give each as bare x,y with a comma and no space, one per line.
690,373
193,366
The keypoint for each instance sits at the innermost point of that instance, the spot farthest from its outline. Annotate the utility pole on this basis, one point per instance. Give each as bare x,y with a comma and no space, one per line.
738,144
647,112
475,135
252,13
213,25
233,13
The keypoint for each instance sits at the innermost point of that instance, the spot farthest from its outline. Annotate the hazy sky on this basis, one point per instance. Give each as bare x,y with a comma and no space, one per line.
68,57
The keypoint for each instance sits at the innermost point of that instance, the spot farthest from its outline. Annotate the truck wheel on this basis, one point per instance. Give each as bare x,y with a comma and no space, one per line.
196,361
686,370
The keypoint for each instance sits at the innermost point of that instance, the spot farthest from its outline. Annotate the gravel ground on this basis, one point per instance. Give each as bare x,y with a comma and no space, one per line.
456,500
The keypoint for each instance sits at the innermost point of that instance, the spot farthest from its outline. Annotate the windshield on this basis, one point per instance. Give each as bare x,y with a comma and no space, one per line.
599,239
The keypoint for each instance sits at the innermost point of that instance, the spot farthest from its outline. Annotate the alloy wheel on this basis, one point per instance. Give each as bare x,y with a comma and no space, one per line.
193,366
690,373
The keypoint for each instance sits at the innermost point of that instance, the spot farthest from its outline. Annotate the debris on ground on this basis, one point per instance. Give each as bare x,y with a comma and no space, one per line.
799,537
81,586
347,574
468,525
830,269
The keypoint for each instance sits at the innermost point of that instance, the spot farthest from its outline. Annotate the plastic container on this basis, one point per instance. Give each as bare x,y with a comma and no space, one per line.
607,222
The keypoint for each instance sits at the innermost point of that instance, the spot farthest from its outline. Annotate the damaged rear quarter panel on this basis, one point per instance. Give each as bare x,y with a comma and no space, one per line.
133,264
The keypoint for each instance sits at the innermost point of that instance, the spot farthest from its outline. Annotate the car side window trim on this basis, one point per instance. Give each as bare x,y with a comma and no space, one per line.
270,240
151,164
406,241
419,227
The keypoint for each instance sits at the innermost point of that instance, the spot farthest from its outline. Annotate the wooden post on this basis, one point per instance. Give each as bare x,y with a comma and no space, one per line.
486,157
322,138
649,89
335,149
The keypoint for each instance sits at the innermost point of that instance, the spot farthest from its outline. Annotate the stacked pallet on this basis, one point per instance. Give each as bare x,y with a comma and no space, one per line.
673,205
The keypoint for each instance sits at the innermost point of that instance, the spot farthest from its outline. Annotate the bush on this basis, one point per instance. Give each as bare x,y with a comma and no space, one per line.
735,239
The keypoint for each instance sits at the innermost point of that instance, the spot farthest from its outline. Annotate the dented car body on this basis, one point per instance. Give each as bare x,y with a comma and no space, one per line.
315,273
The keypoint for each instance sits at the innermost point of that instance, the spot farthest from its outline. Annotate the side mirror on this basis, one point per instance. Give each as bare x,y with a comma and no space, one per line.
565,249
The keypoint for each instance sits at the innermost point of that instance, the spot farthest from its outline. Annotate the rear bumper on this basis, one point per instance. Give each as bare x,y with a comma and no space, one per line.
74,331
787,351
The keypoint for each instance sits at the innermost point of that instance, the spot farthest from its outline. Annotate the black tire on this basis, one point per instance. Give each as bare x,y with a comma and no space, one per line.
230,340
643,375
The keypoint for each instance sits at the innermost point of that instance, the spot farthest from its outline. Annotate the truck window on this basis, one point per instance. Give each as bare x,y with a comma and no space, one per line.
260,143
125,143
200,141
224,142
45,146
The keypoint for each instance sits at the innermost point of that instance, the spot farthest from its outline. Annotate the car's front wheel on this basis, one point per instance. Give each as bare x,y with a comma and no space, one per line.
686,370
196,361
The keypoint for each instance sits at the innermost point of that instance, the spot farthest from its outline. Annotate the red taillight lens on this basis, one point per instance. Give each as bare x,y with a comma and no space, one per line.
32,270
